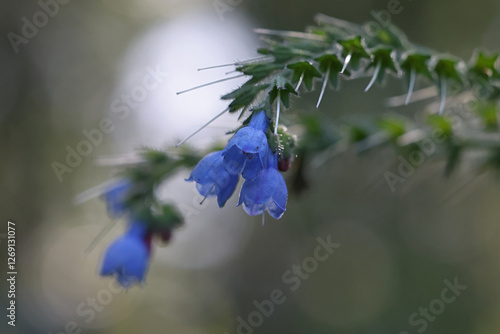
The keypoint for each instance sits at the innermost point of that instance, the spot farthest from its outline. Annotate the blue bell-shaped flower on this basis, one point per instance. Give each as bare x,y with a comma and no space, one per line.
212,179
128,256
265,192
246,152
116,197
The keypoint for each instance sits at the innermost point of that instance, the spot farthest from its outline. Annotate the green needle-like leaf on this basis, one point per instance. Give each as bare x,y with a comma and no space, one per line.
488,111
283,54
305,70
484,66
386,34
243,96
446,67
284,89
384,57
441,123
259,72
330,64
393,126
356,48
416,61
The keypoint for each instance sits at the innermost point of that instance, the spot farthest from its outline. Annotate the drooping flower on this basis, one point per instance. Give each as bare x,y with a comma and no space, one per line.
246,151
127,257
212,179
116,197
265,192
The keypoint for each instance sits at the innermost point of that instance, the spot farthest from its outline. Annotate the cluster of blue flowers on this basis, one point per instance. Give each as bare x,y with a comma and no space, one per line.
127,258
247,154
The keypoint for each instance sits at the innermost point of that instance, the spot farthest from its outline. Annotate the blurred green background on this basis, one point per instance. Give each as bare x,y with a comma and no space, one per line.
396,251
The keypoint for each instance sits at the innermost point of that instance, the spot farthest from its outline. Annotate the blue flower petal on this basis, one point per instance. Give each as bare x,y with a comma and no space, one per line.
250,140
116,197
275,211
253,209
206,190
248,144
219,174
234,160
253,167
258,190
267,191
259,121
225,193
212,178
280,195
127,258
137,229
200,172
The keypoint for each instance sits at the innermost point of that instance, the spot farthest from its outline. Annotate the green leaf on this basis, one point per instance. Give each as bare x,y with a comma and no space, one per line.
283,54
243,96
384,57
357,48
305,69
264,51
441,123
337,28
394,127
416,61
164,218
357,133
488,112
446,67
155,157
259,72
484,66
330,63
388,34
312,47
284,89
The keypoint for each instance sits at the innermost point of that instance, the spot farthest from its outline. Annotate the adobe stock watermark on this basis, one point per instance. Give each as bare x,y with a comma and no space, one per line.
426,148
292,278
416,158
384,17
122,107
31,26
224,6
89,310
421,318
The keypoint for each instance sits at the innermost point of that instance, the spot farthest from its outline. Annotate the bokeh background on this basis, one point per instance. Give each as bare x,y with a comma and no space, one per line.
397,248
